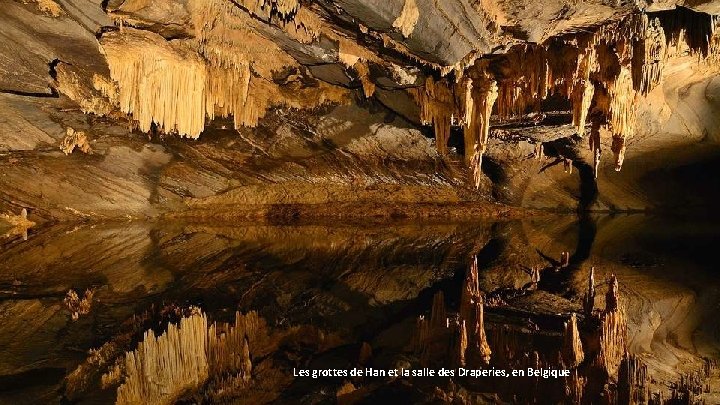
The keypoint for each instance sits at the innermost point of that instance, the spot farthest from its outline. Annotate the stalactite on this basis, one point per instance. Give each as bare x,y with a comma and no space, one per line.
226,70
611,297
366,354
78,306
152,75
595,146
564,259
422,333
484,92
535,275
437,105
284,9
582,91
471,313
572,351
649,55
622,113
227,344
574,386
471,292
363,71
49,7
525,80
354,56
435,334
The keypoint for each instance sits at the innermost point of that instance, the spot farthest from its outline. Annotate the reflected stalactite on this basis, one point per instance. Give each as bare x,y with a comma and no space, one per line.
633,381
589,298
186,356
481,348
572,351
612,334
163,367
593,347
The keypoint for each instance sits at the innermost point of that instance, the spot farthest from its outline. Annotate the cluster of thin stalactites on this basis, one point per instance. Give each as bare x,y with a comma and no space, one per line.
602,74
227,70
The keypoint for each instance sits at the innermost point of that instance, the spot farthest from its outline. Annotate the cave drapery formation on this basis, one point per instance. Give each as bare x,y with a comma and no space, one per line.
228,61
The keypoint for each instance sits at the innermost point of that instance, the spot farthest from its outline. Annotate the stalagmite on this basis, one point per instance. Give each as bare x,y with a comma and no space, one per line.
78,306
572,351
75,139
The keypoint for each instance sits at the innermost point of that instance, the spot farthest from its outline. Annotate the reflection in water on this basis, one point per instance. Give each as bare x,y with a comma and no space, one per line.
214,313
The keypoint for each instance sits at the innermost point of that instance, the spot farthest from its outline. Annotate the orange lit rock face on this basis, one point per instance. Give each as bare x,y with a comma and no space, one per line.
479,78
184,113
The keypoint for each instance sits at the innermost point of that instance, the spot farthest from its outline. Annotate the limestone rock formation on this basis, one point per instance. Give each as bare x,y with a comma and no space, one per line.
189,113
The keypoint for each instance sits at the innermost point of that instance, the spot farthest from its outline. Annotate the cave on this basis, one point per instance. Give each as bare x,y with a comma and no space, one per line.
359,201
